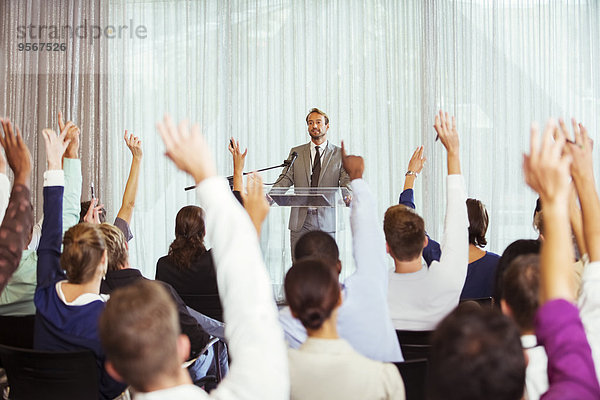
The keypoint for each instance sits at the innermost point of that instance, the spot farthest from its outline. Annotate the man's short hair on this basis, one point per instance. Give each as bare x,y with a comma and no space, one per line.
139,330
116,246
317,244
521,289
476,354
316,110
85,206
515,249
404,232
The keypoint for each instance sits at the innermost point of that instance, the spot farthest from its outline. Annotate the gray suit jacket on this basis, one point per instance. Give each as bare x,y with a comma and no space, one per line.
332,175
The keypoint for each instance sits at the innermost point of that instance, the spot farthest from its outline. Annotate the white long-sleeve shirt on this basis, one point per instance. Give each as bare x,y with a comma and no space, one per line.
363,319
255,339
419,300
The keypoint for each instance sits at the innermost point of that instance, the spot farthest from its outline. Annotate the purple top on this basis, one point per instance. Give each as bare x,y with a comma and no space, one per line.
571,372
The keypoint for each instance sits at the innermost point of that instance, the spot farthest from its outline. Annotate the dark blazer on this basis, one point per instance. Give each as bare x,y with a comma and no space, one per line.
189,326
332,175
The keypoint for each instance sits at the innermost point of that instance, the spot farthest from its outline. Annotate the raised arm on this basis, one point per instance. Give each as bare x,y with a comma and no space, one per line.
49,269
15,229
254,201
73,177
455,240
368,240
239,159
558,328
244,286
135,146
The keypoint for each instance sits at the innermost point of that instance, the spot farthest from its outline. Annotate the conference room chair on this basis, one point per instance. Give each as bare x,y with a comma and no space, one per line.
415,345
414,375
34,374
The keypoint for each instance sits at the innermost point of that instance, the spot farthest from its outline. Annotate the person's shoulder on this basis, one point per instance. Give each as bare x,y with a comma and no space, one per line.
300,147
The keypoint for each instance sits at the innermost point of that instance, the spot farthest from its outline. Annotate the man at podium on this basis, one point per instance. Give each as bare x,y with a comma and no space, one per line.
318,164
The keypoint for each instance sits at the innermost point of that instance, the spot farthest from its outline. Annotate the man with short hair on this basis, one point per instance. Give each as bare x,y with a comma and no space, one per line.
140,335
420,297
363,318
319,164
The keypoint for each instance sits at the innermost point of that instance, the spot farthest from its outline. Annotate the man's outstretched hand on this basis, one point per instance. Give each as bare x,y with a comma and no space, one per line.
354,165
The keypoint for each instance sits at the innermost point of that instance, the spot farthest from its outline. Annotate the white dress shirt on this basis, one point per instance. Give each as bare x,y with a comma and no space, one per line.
536,375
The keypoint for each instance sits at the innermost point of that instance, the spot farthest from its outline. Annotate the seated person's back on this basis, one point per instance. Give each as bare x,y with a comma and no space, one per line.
325,366
189,267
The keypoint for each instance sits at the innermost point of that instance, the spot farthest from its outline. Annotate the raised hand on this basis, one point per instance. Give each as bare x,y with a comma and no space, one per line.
135,145
56,145
93,213
73,134
547,168
448,135
255,202
417,161
17,153
239,158
581,149
187,149
354,165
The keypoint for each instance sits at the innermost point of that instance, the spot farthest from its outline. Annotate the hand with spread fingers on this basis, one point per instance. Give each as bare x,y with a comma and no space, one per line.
354,165
547,168
17,153
580,149
56,145
187,148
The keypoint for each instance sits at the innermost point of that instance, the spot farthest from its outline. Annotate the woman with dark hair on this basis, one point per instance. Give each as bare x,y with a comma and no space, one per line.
325,366
482,264
189,265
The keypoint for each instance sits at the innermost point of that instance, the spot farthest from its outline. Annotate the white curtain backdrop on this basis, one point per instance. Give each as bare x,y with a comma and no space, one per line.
253,68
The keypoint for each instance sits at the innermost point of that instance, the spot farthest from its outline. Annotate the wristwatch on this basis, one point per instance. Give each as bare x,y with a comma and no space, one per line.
413,173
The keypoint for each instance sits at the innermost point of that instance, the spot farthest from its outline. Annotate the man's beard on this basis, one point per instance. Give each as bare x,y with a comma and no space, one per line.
317,134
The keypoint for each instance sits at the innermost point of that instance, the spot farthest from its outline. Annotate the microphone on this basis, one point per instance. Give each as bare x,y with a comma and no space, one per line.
291,159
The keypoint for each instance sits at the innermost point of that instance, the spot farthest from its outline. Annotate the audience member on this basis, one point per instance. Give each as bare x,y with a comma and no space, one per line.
189,266
520,301
17,222
120,274
582,174
364,319
123,219
325,366
150,362
68,309
17,298
482,264
420,297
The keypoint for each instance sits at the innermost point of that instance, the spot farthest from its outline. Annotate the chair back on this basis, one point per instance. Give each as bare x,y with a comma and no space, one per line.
414,375
207,304
34,374
414,344
17,331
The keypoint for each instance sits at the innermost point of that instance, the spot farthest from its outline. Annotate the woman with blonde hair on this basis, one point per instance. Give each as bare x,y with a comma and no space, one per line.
67,296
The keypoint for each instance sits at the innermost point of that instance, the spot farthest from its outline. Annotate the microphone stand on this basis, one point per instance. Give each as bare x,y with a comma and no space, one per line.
230,178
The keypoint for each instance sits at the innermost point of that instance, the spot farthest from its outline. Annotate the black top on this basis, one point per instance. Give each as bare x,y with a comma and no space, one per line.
189,326
199,279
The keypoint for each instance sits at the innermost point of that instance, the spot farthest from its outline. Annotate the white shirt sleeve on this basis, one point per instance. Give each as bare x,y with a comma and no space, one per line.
255,338
589,308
